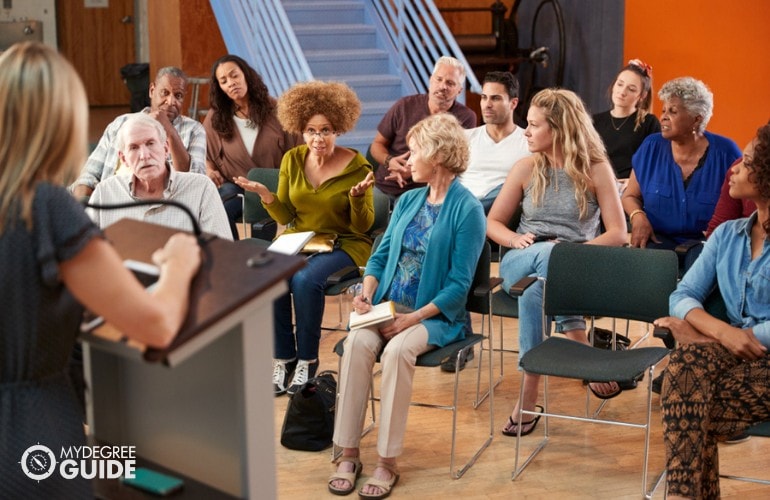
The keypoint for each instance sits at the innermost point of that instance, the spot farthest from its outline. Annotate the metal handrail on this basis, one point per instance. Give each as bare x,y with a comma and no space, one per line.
260,33
419,34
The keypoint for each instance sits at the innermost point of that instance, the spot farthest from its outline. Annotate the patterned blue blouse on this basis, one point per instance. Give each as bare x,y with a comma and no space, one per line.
403,290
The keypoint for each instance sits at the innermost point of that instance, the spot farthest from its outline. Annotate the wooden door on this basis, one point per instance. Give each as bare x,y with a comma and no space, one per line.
98,41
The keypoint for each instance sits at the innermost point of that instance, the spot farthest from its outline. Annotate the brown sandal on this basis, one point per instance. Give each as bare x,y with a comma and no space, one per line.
350,477
385,486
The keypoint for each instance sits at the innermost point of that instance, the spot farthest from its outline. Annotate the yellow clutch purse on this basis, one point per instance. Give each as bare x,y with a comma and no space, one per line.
320,243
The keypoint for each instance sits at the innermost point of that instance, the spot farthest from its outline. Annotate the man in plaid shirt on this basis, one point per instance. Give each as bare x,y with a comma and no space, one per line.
186,136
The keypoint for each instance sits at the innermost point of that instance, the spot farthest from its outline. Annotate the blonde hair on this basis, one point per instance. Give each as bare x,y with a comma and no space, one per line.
334,100
574,134
43,127
443,141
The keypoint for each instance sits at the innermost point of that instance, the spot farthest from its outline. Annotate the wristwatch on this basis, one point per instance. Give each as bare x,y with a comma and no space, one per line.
387,161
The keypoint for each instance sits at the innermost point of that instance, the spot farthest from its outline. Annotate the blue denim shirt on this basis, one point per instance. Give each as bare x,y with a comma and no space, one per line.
743,283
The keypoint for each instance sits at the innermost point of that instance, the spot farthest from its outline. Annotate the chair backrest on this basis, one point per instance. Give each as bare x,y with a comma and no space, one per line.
715,305
617,282
480,303
381,212
252,205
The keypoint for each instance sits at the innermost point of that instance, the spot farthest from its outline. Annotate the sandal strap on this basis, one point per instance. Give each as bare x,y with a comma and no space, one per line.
347,476
356,461
385,486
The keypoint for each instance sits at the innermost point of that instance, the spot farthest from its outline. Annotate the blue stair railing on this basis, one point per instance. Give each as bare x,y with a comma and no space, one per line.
261,33
420,36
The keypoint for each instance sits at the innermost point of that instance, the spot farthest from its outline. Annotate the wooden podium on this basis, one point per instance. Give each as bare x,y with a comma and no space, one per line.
204,406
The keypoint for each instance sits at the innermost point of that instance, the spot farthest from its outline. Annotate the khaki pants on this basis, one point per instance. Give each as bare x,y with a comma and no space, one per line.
397,360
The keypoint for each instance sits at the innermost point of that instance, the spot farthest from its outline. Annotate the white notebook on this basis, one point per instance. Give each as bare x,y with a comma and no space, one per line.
381,315
291,243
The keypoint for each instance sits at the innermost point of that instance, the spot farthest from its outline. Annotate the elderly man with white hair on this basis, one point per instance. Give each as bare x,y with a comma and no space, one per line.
143,149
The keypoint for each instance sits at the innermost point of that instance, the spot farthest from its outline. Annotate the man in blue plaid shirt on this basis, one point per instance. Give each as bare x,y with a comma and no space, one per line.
186,136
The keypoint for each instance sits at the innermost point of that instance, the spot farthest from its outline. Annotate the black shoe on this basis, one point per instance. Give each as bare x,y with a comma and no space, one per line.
449,365
657,384
738,438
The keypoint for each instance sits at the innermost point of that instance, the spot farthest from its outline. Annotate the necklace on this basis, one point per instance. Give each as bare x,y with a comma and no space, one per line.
617,128
243,115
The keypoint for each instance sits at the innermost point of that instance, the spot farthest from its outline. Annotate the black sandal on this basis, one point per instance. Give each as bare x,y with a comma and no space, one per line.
609,395
513,424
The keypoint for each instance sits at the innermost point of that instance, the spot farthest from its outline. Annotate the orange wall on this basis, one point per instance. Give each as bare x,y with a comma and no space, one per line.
725,44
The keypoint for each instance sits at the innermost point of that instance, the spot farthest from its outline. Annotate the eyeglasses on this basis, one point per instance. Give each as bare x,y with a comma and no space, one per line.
324,132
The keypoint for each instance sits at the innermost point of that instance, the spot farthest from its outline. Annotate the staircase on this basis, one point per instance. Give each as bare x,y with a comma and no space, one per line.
341,43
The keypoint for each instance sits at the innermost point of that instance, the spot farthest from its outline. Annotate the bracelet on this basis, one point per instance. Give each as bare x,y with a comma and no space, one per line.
635,212
387,160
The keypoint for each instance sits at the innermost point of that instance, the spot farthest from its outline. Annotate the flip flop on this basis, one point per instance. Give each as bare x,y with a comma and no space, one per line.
608,395
350,477
385,486
513,424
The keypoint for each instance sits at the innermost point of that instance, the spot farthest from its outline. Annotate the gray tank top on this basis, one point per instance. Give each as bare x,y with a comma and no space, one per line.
558,214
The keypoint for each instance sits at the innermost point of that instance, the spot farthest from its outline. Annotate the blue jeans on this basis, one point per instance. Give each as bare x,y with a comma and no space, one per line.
306,289
233,205
533,261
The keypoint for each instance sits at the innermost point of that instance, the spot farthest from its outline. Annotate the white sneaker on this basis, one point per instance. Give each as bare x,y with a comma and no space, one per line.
305,370
282,369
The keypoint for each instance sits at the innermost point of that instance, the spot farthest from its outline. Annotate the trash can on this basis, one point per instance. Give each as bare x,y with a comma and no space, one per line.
137,79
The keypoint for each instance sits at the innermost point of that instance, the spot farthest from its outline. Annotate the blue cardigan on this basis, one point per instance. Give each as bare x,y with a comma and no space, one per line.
450,261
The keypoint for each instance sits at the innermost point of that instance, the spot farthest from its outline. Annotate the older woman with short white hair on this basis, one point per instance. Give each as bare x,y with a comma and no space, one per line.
677,174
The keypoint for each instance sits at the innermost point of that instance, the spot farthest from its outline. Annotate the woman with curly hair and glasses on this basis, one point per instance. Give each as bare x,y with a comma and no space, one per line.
716,383
324,188
242,131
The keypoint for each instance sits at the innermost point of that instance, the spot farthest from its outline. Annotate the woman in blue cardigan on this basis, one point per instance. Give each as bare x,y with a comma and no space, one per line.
425,264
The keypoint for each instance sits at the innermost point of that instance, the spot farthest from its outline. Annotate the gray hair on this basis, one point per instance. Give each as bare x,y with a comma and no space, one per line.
138,120
696,97
451,61
173,72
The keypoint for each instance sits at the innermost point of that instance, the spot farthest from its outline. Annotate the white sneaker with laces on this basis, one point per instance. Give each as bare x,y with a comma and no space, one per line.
305,370
281,371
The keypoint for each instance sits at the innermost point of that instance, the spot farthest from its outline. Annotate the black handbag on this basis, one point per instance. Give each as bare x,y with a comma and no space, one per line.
603,339
309,421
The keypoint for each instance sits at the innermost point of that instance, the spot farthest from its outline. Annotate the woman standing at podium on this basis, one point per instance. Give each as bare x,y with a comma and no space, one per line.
54,259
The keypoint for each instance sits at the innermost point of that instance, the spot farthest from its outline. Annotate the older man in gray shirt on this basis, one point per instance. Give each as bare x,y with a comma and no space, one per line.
143,147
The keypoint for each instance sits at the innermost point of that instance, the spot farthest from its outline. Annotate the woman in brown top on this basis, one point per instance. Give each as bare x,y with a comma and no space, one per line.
242,131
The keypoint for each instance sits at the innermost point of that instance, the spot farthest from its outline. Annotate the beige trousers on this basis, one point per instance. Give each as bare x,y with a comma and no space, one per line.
397,360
